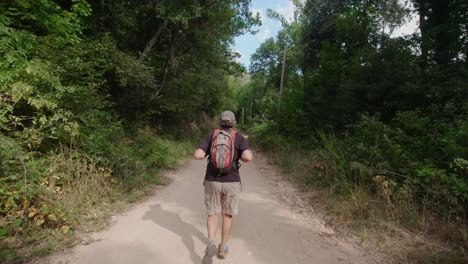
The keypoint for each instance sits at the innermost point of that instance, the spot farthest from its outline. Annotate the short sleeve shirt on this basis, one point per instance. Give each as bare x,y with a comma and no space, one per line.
240,145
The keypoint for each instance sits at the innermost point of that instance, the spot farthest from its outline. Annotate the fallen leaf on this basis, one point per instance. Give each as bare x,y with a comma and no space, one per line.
65,229
39,221
52,217
32,212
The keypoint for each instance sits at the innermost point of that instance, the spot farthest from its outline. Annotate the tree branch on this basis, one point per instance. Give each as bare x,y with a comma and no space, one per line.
161,28
152,41
162,81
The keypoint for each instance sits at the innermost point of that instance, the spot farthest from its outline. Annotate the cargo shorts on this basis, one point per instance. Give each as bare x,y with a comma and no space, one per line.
222,197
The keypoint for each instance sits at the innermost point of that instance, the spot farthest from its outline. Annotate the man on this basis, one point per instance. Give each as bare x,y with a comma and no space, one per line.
222,189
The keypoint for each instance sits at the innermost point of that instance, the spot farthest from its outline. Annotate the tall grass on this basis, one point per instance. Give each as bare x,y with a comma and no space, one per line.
69,191
365,200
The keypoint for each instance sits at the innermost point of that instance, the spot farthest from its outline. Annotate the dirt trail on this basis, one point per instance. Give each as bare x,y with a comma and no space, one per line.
274,226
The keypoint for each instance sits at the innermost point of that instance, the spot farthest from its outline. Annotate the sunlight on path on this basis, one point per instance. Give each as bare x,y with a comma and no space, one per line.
170,228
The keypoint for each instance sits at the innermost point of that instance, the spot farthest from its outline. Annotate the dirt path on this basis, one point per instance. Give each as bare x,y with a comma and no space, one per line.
273,226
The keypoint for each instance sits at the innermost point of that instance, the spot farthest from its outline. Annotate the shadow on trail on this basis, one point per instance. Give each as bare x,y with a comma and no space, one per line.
266,231
117,253
172,222
274,236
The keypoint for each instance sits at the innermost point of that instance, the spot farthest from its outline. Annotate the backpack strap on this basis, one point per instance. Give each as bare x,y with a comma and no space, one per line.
215,133
233,135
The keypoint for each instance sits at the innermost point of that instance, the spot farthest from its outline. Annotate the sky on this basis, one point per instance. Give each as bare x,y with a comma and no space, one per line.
248,43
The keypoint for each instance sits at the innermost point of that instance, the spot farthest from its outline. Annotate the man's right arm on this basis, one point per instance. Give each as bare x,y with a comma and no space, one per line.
199,154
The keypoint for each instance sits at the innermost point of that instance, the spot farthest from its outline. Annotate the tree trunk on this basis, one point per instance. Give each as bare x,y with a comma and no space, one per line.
153,41
424,38
243,110
444,39
158,33
281,92
162,80
251,105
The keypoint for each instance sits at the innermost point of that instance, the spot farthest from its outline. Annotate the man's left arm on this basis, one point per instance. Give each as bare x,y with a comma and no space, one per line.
246,153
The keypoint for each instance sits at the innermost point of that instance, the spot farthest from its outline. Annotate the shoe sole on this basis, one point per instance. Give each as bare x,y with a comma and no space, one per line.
223,256
210,253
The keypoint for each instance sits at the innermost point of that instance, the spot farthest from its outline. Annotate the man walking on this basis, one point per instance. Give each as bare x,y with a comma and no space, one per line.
224,147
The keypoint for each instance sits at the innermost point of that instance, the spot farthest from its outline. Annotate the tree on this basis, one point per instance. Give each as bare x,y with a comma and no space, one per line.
167,39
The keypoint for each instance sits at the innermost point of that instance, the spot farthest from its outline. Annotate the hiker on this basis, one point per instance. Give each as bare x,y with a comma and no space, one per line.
224,147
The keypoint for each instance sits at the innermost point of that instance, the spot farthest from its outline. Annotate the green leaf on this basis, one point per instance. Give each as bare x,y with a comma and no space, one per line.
4,231
18,222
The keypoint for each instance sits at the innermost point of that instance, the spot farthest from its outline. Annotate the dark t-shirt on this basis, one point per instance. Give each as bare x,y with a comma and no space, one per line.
240,145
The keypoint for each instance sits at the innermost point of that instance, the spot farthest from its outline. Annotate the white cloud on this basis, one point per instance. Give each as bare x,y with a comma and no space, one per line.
287,11
259,11
239,59
239,53
264,33
410,26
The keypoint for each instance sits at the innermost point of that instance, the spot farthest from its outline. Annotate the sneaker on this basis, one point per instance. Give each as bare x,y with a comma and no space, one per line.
210,251
223,252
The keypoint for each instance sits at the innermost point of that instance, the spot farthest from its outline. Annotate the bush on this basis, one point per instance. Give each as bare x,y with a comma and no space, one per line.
375,144
378,172
59,191
27,192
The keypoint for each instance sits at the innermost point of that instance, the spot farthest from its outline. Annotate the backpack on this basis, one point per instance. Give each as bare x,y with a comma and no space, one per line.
222,150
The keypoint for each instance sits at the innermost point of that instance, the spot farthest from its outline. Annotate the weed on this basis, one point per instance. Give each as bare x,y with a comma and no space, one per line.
369,201
68,191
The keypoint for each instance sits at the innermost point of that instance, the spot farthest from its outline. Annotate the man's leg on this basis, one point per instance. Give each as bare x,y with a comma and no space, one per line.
230,208
210,251
227,226
213,206
230,203
226,231
212,224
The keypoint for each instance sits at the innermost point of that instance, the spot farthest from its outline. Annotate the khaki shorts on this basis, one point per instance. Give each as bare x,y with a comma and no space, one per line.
222,197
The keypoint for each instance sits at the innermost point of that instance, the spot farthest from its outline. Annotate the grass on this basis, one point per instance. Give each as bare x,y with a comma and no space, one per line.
79,195
386,221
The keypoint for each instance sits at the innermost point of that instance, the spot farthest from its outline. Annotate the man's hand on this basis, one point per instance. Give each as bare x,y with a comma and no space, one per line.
199,154
247,156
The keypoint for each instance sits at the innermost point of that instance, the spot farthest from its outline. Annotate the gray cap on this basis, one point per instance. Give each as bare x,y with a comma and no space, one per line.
228,117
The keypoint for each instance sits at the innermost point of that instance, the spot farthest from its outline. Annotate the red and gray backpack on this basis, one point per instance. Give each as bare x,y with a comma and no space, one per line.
222,150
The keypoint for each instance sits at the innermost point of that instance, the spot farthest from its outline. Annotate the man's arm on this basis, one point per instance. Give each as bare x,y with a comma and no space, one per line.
247,156
199,154
244,149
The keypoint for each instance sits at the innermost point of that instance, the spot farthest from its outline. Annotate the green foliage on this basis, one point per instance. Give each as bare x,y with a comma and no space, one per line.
25,202
157,152
93,105
62,191
347,74
394,107
376,144
133,87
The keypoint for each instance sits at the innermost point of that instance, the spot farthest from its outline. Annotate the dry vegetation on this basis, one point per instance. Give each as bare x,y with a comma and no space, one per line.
384,219
76,195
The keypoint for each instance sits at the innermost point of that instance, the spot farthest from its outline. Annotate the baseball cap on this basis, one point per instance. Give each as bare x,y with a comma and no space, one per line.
228,118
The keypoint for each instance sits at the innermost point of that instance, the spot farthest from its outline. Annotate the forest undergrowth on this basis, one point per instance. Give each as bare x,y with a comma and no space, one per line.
382,208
